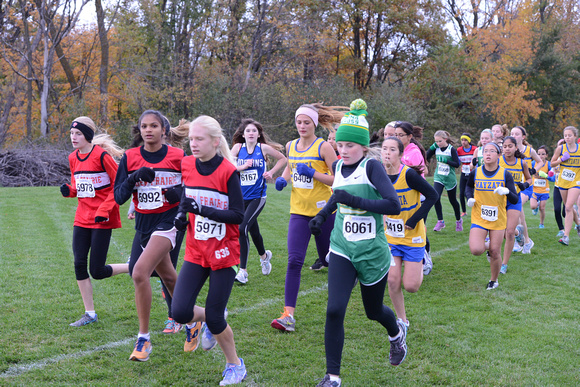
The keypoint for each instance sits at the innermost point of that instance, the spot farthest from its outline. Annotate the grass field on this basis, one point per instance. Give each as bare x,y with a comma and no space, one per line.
527,332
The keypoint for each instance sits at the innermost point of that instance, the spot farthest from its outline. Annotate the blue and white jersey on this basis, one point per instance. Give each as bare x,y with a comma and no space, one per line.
252,180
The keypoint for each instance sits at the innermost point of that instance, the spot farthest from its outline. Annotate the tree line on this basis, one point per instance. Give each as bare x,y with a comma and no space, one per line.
452,65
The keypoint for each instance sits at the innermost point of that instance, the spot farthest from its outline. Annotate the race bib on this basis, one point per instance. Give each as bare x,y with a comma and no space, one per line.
568,175
301,181
489,213
149,198
85,188
249,177
541,183
443,169
465,169
395,228
206,228
358,228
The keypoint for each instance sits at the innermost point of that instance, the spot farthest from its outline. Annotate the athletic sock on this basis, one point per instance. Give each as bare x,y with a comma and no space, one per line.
91,313
190,326
145,335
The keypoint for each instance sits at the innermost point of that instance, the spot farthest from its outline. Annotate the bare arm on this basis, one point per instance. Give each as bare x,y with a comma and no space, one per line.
282,160
329,157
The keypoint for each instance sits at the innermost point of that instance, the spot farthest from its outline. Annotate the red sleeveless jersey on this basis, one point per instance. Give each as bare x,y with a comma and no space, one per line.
149,198
209,243
92,181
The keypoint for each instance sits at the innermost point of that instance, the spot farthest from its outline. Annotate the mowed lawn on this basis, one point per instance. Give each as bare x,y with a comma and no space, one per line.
526,332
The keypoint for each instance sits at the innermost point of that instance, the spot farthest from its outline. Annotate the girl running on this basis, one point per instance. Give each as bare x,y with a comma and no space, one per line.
93,173
445,178
405,232
485,138
530,156
309,166
512,161
466,154
567,156
213,198
487,189
252,147
414,156
359,251
499,133
541,190
151,174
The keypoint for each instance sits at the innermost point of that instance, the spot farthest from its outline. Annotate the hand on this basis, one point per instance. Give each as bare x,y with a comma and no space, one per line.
281,183
434,146
245,165
533,171
190,205
172,196
267,175
343,197
180,222
471,202
443,159
145,174
65,190
474,161
315,225
565,156
551,173
305,170
501,191
543,174
101,219
522,186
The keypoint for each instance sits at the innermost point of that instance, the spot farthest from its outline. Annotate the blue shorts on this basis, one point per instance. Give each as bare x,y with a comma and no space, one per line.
408,253
541,197
517,206
473,225
528,191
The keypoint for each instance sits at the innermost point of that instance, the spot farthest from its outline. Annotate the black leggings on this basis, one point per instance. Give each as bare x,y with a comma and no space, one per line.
559,209
97,241
452,199
139,243
462,185
191,279
341,280
250,224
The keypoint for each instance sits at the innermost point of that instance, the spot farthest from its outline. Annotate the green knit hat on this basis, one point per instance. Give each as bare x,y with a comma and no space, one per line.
354,126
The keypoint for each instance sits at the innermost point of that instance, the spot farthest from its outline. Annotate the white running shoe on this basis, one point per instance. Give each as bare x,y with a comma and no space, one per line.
528,247
266,265
242,276
428,264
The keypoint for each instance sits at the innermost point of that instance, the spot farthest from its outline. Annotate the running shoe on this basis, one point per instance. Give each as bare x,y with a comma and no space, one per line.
86,319
503,269
234,374
242,276
427,263
439,226
318,264
142,350
517,248
564,240
403,324
492,285
459,225
528,247
286,322
578,229
535,211
541,225
463,214
326,382
560,234
520,235
192,337
171,326
488,256
208,340
398,346
266,265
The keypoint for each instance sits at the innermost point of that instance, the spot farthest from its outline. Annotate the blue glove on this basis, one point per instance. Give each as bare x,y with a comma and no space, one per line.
305,170
281,183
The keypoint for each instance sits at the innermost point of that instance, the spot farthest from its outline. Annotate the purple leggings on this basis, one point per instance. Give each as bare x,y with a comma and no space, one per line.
298,239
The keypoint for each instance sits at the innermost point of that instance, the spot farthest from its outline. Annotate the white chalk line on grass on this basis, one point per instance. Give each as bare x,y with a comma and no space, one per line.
18,370
21,369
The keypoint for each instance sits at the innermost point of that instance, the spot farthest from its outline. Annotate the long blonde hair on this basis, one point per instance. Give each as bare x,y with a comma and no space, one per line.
104,140
215,131
328,116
